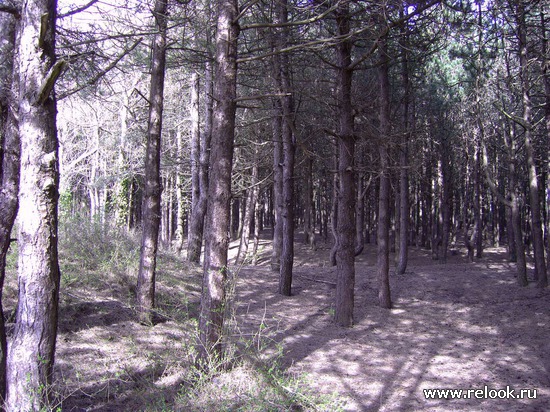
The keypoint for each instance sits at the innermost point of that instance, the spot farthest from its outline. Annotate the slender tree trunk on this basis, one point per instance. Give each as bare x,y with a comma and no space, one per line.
257,228
180,196
251,198
32,349
121,186
478,218
152,196
383,261
289,149
309,231
206,138
10,154
194,235
403,250
219,190
515,215
287,251
334,207
546,77
359,215
277,186
536,224
446,202
345,226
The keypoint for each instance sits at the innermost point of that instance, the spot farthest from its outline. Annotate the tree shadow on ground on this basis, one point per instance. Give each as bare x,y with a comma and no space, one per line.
460,325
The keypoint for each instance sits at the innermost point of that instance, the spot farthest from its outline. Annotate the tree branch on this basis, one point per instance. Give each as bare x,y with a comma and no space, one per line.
49,82
103,72
78,9
11,9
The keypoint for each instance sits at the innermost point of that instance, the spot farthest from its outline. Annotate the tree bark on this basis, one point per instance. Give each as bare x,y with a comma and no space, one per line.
478,220
309,214
546,77
334,206
277,185
251,199
289,149
206,138
194,235
10,154
180,196
32,349
383,261
403,250
534,200
152,196
345,226
219,190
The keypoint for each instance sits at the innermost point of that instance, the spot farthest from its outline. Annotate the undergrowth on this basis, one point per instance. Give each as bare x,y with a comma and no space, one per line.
99,264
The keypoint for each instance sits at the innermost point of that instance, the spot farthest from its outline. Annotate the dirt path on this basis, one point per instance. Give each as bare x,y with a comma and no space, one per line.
460,325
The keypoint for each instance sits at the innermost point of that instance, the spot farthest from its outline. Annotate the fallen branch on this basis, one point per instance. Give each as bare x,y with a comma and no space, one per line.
317,280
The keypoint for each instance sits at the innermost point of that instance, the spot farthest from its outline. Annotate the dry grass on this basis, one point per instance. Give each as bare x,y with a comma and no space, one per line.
107,361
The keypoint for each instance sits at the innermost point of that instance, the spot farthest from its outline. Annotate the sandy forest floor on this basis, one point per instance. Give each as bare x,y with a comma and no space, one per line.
459,325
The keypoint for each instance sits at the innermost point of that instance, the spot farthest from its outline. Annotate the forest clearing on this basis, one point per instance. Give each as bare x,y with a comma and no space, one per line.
458,325
274,205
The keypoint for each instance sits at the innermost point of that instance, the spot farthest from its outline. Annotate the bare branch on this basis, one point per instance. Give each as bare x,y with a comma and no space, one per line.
103,72
78,9
8,7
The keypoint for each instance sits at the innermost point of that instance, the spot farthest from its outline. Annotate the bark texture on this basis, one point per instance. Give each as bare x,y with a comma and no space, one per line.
277,184
534,200
345,227
289,150
403,244
10,153
250,209
219,190
152,192
31,353
198,202
383,261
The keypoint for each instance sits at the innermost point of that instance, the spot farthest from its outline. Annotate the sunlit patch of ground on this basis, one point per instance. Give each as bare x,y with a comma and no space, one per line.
456,325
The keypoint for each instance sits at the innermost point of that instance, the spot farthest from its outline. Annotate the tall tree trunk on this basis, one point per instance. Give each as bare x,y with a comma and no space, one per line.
309,213
251,199
403,250
10,154
446,201
277,184
334,206
180,195
32,349
345,226
536,224
258,215
546,77
194,235
152,196
521,264
206,138
478,215
360,212
219,190
383,261
289,149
